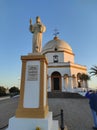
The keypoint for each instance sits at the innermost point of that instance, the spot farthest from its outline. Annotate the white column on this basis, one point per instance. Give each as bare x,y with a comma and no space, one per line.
86,85
83,84
66,83
49,84
70,84
75,82
63,84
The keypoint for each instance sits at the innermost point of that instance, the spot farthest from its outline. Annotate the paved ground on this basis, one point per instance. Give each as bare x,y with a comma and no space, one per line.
77,115
7,110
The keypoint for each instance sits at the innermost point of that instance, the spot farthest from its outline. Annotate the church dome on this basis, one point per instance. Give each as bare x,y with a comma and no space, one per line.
56,45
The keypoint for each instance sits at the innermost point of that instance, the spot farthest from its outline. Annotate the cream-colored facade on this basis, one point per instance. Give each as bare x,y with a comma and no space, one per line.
63,73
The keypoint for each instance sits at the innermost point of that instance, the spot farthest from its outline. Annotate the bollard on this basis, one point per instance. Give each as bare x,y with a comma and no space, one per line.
62,120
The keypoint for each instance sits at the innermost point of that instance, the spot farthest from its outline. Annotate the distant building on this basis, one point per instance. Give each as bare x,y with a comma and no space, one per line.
63,73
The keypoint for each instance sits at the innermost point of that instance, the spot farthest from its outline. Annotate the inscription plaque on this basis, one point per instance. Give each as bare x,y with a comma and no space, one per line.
32,73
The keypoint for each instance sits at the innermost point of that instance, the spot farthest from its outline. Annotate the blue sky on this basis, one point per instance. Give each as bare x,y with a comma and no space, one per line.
76,20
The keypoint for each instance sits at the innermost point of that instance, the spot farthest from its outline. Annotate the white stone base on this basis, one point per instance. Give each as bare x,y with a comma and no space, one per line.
31,123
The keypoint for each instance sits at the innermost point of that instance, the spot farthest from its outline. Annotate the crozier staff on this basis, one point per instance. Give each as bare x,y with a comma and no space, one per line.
37,29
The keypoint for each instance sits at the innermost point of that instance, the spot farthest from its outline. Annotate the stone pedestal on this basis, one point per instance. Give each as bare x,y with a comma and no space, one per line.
33,94
32,111
33,123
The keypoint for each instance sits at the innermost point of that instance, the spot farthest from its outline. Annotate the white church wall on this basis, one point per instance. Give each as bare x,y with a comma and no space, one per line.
68,57
70,71
51,55
74,71
61,70
78,69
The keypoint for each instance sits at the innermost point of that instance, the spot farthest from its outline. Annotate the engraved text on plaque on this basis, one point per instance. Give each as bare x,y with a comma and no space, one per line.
32,73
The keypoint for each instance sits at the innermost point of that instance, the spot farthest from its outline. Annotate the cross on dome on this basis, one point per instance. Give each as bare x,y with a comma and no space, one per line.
56,32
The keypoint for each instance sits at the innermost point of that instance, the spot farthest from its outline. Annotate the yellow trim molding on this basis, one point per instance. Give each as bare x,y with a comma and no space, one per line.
42,111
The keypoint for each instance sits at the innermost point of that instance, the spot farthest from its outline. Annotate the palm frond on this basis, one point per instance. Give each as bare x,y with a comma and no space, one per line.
93,70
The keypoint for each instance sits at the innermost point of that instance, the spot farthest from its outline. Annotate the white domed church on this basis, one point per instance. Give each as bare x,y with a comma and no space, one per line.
63,73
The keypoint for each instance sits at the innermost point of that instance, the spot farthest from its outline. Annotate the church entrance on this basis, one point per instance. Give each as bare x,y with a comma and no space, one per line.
56,81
